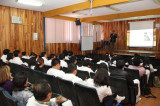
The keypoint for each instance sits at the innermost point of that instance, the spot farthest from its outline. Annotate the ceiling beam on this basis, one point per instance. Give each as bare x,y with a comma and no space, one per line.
64,18
122,15
82,6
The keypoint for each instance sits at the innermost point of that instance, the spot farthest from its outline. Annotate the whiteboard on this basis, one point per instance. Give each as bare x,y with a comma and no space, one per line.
86,43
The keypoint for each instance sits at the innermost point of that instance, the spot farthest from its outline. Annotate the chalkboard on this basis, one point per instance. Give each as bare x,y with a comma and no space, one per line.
86,43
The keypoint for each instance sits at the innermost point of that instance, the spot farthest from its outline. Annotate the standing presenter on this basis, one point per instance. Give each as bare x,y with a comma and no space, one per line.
113,37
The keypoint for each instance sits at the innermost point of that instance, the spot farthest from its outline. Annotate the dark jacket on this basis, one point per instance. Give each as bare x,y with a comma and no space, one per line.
113,37
43,69
119,73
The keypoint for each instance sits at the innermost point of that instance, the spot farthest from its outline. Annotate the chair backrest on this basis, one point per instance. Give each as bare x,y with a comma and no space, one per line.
133,73
52,80
7,100
87,96
83,74
67,89
120,86
112,68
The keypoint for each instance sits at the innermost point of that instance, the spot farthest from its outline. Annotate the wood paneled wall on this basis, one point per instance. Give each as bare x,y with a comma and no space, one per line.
20,36
121,28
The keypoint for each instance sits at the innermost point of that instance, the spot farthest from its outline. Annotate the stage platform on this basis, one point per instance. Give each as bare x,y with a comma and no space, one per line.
155,54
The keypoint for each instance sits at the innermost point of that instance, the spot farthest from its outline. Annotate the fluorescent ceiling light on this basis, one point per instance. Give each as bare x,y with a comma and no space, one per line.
30,2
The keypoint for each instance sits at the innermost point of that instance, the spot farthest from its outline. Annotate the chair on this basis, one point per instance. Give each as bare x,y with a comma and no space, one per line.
52,80
112,68
7,100
133,73
120,86
87,96
83,74
67,89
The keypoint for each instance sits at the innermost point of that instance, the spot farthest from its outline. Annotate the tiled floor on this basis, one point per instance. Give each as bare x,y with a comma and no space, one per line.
151,101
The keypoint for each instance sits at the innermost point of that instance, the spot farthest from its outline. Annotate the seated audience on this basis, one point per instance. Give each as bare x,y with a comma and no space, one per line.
73,60
101,84
65,52
71,74
103,60
62,61
32,62
9,58
40,65
17,59
55,70
51,57
19,87
24,56
85,67
44,57
43,96
147,64
4,56
5,78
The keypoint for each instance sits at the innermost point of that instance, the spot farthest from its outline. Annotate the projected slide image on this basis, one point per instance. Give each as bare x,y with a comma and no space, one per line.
141,38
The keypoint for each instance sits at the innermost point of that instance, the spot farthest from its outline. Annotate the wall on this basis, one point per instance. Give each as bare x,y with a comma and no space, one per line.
20,36
121,28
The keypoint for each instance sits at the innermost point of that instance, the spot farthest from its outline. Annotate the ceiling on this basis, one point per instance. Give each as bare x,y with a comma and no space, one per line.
137,5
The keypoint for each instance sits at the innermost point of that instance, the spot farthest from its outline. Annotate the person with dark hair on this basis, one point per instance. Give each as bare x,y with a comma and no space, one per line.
55,70
19,87
147,64
70,53
62,61
136,65
32,63
85,67
9,58
103,60
42,96
71,74
51,57
17,59
65,52
40,65
24,56
4,56
73,60
33,55
113,37
102,85
44,57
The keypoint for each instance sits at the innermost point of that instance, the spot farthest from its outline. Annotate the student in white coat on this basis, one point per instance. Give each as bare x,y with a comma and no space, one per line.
42,96
62,61
55,70
71,74
4,56
17,59
24,56
85,67
44,57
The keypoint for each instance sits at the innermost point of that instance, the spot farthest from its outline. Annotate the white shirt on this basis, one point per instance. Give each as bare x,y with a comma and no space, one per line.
56,73
63,63
67,57
83,68
72,77
102,91
102,61
25,57
4,58
32,102
86,58
18,61
46,61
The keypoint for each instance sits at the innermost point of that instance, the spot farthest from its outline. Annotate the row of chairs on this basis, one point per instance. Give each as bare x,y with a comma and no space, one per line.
80,95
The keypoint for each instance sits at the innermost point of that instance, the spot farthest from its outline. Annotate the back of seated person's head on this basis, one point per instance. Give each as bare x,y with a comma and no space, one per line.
86,63
102,65
43,54
61,56
72,68
40,62
118,57
70,53
23,53
32,62
65,52
4,74
52,56
20,81
55,62
9,56
2,63
73,59
80,63
136,61
16,53
120,64
136,55
42,91
146,61
6,51
101,77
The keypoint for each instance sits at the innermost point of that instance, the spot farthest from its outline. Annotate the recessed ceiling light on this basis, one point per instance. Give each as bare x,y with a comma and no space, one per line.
30,2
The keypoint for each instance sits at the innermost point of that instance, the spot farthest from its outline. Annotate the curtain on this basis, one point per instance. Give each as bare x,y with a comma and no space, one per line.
61,31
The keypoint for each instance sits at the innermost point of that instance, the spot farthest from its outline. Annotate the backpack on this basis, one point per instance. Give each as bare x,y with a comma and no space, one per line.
156,82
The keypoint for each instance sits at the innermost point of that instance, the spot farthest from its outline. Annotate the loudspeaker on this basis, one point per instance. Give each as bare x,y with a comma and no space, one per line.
78,22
